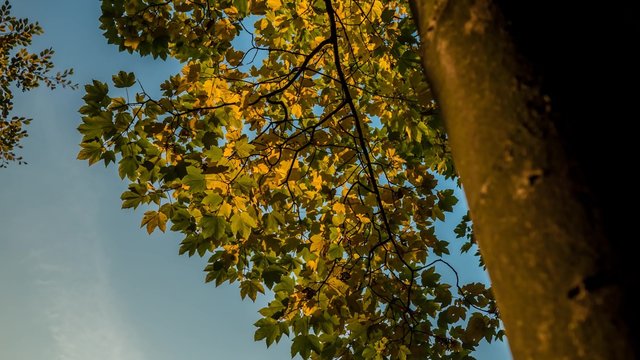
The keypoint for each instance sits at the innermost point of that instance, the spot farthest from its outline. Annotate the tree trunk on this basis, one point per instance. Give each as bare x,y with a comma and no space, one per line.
529,92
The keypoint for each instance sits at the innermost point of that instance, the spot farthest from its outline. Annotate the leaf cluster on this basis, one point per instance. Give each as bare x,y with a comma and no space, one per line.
298,150
23,70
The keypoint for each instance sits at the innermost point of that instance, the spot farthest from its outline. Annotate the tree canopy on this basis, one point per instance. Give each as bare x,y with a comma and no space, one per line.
22,70
300,150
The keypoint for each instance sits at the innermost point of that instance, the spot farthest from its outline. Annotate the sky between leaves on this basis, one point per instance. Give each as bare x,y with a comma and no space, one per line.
79,278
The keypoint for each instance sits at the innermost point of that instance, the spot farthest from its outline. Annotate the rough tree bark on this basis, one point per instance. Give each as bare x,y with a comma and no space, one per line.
529,91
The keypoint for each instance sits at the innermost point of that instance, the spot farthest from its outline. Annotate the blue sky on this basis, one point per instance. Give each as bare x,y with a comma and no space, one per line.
79,278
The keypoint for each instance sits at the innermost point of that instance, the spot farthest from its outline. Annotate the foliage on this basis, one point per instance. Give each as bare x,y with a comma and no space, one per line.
464,231
303,163
23,70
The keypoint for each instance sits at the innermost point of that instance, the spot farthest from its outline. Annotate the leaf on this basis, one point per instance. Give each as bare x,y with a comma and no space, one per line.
447,200
131,199
256,155
274,4
272,275
437,213
233,57
242,223
296,110
245,183
132,43
153,219
273,219
214,154
304,345
369,353
339,208
429,277
91,151
195,179
476,328
403,352
335,252
98,125
213,226
127,167
251,288
243,148
269,330
242,6
213,200
124,79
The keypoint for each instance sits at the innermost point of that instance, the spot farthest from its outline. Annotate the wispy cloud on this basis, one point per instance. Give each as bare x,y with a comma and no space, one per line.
84,319
82,313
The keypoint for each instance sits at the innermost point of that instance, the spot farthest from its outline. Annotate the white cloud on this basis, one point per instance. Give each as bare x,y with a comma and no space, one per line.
82,313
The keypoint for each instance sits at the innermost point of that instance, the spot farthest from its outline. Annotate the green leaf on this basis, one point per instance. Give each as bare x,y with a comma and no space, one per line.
124,79
243,148
335,251
272,275
98,125
403,352
268,329
369,352
213,226
91,151
243,223
476,328
96,92
213,200
214,154
387,14
447,200
250,288
271,223
429,277
127,167
181,220
194,179
131,199
437,213
242,6
248,219
245,183
304,345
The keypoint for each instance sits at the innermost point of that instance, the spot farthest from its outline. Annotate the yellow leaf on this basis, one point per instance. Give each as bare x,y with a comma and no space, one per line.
262,24
339,286
317,40
308,309
339,208
225,29
213,182
274,4
132,43
312,264
231,11
317,244
316,181
363,219
248,220
296,110
240,203
377,9
301,7
225,209
153,219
